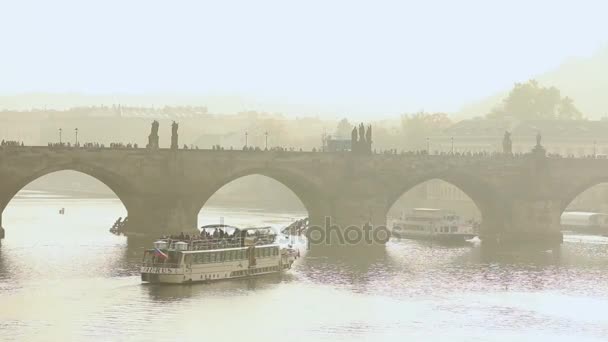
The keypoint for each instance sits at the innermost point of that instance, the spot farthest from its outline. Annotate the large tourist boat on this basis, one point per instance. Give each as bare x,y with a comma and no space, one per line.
218,252
433,224
584,222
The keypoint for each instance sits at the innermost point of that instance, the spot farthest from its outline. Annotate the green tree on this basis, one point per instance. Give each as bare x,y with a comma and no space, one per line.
567,111
343,129
530,101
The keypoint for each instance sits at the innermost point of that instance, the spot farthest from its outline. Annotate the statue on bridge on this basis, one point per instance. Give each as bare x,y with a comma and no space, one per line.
361,140
153,137
174,145
539,150
353,140
507,144
361,132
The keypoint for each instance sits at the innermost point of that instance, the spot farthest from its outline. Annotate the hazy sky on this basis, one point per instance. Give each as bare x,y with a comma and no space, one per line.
366,57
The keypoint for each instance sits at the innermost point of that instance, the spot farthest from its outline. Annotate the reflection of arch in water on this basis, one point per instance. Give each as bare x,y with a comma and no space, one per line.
354,266
482,195
115,183
305,191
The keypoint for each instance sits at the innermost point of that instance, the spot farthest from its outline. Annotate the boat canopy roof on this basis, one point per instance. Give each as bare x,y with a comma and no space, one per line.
583,218
228,249
258,230
218,226
250,230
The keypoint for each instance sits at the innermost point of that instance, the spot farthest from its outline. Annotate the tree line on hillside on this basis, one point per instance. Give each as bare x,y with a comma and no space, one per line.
526,101
531,101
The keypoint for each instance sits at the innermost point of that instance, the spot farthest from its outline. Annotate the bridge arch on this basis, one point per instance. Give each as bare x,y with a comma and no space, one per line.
305,190
118,185
582,189
484,196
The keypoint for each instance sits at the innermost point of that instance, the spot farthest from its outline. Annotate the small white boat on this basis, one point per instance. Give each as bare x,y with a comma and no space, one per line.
432,224
224,253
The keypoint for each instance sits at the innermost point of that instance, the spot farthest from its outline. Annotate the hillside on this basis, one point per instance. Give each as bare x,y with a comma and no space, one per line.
583,79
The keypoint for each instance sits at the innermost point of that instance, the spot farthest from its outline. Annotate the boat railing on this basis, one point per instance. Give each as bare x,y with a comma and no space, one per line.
219,243
161,264
199,245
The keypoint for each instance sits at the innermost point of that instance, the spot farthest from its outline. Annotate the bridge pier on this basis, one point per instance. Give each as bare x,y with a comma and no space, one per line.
534,223
351,222
3,204
160,215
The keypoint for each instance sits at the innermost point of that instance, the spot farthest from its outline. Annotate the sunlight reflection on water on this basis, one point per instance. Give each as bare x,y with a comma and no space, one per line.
64,277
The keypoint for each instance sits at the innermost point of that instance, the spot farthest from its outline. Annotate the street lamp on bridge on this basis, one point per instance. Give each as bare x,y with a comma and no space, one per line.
594,148
76,132
60,130
266,134
428,146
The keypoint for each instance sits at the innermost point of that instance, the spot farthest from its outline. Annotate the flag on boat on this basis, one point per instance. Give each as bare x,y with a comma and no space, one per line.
159,253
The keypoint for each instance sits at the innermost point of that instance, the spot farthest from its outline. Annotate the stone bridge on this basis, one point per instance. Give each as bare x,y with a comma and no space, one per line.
520,198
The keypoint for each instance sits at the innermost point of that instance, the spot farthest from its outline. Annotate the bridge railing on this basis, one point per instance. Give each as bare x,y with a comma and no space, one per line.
483,155
160,264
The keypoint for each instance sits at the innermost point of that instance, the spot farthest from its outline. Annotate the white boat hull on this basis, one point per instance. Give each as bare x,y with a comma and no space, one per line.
206,272
432,224
447,237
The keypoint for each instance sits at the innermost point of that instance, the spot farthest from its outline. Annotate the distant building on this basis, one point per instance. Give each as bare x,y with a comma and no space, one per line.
565,137
574,138
334,144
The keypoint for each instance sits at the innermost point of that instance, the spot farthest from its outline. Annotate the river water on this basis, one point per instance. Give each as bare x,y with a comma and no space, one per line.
64,277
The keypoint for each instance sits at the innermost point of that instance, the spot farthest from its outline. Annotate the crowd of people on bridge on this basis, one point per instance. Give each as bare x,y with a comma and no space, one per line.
61,145
93,145
119,145
192,147
273,149
11,143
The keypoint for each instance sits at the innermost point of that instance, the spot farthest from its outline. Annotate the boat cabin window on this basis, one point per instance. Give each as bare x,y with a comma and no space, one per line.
265,252
212,257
